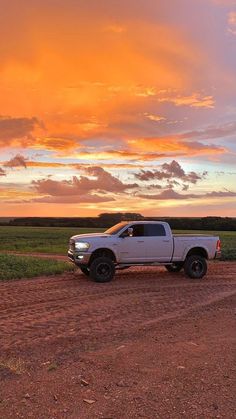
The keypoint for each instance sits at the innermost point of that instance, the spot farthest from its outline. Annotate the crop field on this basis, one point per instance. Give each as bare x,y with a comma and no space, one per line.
53,240
16,267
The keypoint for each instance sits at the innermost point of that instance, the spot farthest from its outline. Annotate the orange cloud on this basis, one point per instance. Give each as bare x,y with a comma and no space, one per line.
122,84
155,118
194,101
232,23
116,28
55,144
173,146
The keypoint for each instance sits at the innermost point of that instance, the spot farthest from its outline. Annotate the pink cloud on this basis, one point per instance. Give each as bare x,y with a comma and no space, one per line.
170,194
94,188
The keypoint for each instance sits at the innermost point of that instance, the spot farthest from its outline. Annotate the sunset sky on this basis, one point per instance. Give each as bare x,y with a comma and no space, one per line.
117,105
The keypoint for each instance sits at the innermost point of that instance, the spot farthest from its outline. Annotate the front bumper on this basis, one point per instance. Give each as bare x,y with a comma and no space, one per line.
79,258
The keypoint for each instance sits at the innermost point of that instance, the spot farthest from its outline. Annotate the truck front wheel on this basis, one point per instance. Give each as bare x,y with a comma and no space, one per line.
85,270
195,266
102,269
174,267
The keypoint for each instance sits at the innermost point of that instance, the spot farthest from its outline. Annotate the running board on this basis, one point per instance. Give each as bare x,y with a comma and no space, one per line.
126,265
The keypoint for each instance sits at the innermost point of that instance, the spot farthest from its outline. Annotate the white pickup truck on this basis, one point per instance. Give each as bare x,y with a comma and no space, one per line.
137,243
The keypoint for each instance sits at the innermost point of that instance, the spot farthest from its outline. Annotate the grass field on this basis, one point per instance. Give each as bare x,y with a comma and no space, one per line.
54,240
38,239
14,267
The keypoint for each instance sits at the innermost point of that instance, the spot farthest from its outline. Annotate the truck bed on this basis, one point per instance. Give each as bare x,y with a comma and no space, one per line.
193,235
183,242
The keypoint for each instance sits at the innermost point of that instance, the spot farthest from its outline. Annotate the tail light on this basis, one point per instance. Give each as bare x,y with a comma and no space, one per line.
218,246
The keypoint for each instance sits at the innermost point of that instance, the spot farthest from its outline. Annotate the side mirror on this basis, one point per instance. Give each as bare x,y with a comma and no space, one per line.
130,231
127,233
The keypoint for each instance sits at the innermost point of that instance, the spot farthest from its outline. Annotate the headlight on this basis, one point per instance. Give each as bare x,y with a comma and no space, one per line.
82,246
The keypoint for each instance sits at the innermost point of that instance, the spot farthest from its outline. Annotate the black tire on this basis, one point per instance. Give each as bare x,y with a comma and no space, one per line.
195,266
85,270
102,269
175,267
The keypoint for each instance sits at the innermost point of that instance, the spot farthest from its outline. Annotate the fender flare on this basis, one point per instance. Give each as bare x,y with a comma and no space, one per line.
202,250
100,251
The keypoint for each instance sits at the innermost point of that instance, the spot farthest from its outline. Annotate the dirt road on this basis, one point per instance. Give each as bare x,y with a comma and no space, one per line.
150,344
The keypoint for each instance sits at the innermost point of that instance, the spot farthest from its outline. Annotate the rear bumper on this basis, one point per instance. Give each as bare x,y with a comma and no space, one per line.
79,258
218,254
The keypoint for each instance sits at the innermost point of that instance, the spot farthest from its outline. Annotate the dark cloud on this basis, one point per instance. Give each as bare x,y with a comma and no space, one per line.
220,194
12,129
170,172
185,187
2,172
17,161
105,181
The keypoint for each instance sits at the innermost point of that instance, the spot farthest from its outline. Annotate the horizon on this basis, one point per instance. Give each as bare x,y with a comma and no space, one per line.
97,216
118,107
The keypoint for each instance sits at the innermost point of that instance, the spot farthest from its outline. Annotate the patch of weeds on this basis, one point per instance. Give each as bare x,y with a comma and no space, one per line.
16,267
13,365
53,366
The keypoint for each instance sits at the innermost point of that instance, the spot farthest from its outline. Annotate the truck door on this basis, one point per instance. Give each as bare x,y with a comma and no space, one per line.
132,248
158,243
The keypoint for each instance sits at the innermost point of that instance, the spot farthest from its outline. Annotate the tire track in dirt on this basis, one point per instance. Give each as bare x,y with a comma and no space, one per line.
41,311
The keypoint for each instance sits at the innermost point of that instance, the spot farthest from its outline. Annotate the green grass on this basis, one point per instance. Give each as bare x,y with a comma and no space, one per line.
16,267
54,240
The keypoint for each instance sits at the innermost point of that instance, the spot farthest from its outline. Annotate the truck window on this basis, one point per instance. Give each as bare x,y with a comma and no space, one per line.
138,230
155,230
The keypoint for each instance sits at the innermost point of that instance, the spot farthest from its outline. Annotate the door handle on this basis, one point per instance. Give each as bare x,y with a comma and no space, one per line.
140,241
166,241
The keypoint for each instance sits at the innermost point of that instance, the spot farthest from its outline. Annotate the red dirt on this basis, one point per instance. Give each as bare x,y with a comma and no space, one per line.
150,344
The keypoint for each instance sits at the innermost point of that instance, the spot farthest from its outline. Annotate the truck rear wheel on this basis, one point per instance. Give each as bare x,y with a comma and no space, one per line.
174,267
102,269
195,266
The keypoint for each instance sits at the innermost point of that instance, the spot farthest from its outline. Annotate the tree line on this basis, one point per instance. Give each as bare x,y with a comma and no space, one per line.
106,220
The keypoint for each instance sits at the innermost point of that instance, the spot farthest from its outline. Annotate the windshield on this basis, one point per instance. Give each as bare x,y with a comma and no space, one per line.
116,228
